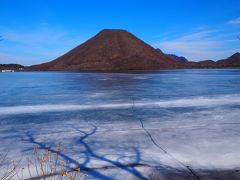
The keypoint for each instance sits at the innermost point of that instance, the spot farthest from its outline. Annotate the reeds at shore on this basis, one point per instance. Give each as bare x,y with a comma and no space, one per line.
43,164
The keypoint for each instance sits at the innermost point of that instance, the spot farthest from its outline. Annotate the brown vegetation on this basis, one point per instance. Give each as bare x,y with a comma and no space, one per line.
42,165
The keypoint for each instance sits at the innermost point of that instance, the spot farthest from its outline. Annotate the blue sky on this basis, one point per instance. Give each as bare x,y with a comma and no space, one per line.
36,31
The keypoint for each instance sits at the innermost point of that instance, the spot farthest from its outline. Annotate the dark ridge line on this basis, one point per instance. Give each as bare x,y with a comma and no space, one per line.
191,171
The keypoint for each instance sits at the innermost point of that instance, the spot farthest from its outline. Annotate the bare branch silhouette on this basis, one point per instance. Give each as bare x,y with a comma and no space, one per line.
89,153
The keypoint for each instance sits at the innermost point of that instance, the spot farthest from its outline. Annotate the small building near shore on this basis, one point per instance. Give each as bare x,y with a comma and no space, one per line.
7,70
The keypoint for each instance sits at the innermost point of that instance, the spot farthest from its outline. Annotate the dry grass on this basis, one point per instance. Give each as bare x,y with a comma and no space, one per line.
41,165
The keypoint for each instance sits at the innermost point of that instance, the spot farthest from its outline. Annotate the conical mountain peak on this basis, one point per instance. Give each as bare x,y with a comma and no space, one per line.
111,50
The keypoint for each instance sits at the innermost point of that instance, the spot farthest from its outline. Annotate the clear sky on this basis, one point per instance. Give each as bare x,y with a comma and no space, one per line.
36,31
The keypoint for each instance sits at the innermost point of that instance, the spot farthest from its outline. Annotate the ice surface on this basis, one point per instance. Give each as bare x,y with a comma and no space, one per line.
136,127
182,103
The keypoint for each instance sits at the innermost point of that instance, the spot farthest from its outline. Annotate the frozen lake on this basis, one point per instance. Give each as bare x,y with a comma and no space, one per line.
167,123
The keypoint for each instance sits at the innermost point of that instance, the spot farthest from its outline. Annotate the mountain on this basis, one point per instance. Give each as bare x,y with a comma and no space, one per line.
232,61
159,50
176,58
110,50
15,67
201,64
180,59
